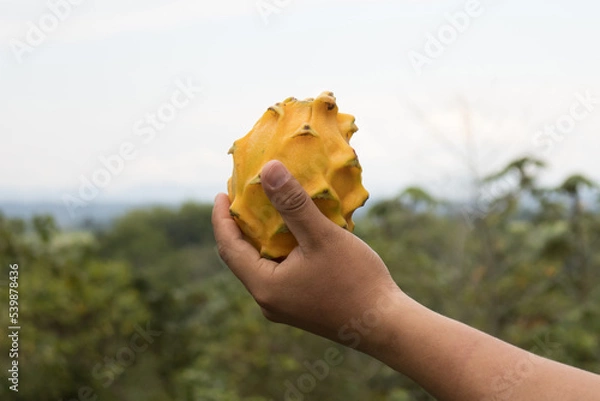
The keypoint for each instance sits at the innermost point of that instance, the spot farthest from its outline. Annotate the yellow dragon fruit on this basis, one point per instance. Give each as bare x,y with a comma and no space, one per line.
311,139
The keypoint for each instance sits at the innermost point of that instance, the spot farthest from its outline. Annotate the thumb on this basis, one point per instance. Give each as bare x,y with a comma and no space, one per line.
302,216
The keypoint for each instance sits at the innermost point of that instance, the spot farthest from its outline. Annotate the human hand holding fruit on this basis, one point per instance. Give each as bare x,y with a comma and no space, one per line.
330,278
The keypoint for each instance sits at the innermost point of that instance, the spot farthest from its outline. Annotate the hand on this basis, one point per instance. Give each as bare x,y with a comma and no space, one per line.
328,281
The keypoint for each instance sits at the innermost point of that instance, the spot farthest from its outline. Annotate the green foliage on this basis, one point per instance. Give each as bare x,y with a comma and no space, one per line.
74,309
527,275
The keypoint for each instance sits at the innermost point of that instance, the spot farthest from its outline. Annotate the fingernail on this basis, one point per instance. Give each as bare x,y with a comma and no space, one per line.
277,175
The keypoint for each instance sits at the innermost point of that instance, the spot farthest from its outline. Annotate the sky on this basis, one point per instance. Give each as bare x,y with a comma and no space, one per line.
443,91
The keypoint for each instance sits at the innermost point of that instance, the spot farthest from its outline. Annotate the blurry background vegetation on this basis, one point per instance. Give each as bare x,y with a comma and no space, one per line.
518,261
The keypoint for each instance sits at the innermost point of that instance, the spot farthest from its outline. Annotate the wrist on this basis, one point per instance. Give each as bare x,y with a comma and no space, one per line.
398,321
376,330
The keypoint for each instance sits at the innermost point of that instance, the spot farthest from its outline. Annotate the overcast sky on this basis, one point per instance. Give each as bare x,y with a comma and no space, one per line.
86,87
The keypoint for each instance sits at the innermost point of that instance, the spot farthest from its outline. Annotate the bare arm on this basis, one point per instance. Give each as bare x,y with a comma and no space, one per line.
456,362
335,286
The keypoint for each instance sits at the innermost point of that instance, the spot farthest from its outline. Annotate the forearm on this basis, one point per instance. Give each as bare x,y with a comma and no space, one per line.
456,362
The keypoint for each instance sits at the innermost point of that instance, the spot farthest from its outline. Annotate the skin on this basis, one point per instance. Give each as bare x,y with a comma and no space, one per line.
334,285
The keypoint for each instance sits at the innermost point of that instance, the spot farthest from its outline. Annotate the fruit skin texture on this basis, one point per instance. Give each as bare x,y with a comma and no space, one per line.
311,139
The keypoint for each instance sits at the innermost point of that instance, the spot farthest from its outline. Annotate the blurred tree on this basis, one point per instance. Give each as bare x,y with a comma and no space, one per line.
74,310
526,167
577,263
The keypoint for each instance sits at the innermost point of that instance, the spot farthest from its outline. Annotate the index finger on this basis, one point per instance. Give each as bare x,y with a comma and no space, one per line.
241,257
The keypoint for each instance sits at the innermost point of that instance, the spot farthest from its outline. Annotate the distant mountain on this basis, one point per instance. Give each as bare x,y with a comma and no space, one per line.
99,214
103,213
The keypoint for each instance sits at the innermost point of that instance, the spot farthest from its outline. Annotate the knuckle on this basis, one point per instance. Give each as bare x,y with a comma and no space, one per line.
263,299
292,201
270,316
222,250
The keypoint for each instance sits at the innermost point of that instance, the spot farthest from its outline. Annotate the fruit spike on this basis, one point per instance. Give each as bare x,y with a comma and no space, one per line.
311,139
